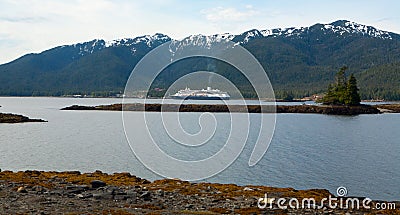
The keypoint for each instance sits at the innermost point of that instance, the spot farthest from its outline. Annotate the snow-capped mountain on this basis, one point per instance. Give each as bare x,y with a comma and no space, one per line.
340,28
204,41
147,39
133,43
343,27
89,47
310,53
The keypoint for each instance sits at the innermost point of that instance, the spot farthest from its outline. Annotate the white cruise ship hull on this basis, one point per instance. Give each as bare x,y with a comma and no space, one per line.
200,97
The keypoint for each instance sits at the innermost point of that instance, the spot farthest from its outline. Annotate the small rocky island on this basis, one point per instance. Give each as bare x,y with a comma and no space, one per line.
317,109
15,118
38,192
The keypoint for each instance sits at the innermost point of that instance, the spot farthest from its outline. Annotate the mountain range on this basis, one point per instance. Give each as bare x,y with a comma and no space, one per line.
301,61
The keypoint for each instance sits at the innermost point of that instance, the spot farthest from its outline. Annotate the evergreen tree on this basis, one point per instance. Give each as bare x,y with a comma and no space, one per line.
330,97
352,97
287,96
340,78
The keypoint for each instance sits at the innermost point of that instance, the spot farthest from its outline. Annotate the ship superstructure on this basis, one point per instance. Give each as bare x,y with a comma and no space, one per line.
203,94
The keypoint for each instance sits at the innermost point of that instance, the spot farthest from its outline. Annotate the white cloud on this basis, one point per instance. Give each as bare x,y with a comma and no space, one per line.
229,14
36,25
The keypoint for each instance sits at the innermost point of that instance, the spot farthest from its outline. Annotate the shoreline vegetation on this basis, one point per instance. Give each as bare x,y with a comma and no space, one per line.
16,118
313,109
73,192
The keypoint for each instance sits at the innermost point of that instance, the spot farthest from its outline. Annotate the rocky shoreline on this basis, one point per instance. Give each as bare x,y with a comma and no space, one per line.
389,108
15,118
38,192
316,109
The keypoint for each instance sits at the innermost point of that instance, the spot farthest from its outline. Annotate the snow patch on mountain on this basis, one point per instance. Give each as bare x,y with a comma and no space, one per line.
199,40
252,34
146,39
205,41
342,27
89,47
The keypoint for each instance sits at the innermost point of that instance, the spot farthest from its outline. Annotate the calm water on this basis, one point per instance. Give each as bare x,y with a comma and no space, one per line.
307,150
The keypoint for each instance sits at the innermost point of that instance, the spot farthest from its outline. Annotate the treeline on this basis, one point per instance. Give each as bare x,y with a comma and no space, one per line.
384,94
380,82
62,93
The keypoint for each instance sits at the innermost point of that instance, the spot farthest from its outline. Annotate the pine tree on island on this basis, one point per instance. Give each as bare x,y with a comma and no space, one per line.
343,91
353,97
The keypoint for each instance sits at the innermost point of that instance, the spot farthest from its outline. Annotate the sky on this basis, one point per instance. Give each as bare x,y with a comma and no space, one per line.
32,26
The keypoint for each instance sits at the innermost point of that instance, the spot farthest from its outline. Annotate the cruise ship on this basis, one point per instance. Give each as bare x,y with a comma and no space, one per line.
203,94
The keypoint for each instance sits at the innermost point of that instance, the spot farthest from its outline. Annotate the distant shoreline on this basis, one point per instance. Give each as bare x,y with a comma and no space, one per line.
155,98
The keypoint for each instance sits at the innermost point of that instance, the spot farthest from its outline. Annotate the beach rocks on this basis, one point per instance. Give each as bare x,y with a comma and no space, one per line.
76,189
21,190
103,195
146,196
84,196
37,192
39,189
97,183
247,189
